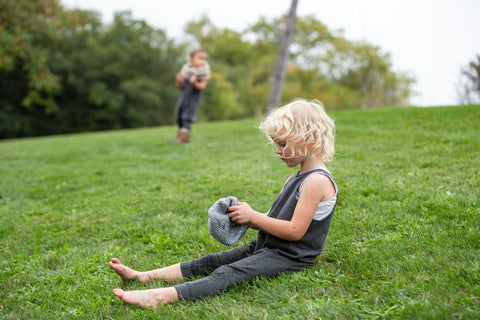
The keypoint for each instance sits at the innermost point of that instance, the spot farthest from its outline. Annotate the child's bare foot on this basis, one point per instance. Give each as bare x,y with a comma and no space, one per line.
124,272
148,298
169,274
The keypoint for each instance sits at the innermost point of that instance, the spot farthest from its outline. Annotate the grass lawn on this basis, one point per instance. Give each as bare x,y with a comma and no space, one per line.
404,243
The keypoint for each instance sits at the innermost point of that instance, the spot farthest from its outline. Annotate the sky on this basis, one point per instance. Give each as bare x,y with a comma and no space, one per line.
431,40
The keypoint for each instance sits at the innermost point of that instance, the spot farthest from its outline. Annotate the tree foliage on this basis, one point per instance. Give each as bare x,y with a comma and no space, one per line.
105,77
323,65
469,86
116,77
27,31
65,71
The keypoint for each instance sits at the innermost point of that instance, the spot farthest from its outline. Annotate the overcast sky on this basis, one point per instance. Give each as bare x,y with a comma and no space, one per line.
430,39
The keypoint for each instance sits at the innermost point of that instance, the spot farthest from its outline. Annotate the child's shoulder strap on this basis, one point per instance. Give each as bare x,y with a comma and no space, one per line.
328,174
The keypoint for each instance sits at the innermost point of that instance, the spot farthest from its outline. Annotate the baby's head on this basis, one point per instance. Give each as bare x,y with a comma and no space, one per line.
198,58
304,126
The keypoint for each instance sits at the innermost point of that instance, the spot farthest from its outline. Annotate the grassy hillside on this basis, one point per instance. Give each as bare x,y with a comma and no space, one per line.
404,243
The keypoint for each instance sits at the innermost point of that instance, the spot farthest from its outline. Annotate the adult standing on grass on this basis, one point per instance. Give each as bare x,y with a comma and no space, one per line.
291,234
192,80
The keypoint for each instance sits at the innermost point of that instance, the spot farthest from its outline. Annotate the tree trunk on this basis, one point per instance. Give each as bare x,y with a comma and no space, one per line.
279,74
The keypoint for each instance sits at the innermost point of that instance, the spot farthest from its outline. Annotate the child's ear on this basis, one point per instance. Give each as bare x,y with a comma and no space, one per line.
309,139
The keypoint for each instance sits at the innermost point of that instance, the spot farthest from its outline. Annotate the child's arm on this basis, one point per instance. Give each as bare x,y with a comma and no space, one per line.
199,85
316,188
179,80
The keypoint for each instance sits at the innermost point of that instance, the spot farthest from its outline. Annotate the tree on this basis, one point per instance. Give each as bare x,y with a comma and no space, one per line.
327,66
219,101
28,29
372,77
279,74
71,73
468,89
118,76
232,58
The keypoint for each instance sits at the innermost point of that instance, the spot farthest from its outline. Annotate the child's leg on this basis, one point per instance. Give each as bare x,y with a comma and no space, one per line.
156,297
208,263
170,273
184,127
265,262
177,272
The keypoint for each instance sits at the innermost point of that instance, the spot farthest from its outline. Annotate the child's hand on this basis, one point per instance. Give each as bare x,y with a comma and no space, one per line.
179,77
242,213
193,78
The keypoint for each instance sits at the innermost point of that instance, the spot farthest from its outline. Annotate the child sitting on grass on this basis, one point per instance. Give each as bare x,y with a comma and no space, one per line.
291,234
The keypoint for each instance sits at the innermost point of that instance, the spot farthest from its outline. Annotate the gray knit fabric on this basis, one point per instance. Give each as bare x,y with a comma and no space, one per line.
220,226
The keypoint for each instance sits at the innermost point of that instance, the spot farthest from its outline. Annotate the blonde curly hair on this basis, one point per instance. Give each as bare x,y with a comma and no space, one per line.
304,127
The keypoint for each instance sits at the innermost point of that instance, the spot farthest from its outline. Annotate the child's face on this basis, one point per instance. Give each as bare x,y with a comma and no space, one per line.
286,154
199,59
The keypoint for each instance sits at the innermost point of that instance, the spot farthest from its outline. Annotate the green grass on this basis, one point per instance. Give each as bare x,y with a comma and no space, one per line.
404,243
